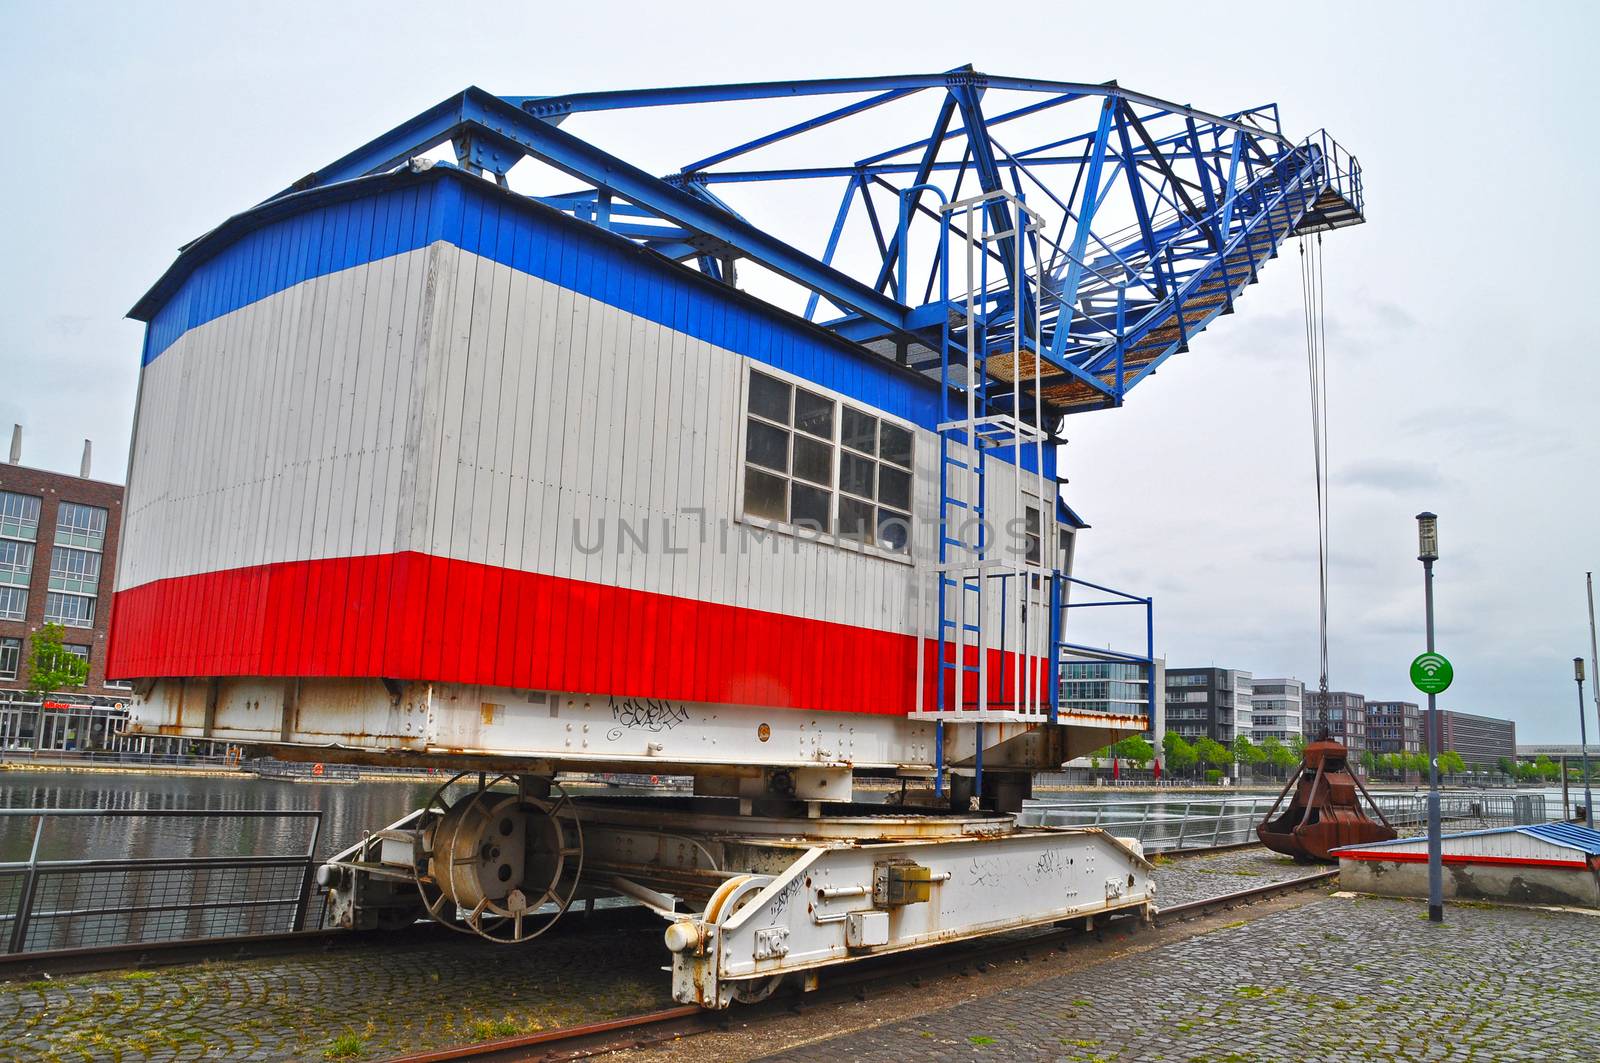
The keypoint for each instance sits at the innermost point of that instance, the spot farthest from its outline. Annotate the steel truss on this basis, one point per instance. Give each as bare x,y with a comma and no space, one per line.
1152,216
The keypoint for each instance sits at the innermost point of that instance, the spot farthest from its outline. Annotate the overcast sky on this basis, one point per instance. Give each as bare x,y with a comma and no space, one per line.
1462,363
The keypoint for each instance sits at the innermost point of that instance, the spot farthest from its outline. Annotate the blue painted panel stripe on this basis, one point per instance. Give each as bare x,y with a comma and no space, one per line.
478,218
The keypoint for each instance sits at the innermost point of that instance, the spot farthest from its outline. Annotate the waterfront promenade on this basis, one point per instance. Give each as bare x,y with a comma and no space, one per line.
1310,976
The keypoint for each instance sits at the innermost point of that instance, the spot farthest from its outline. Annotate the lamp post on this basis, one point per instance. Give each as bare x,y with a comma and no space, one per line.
1428,553
1583,736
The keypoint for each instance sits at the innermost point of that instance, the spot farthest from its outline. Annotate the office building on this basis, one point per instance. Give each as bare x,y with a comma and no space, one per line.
1479,740
1210,703
1276,709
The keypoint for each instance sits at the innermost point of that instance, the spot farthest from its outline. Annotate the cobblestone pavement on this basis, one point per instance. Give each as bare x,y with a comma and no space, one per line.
1338,979
345,1005
1181,879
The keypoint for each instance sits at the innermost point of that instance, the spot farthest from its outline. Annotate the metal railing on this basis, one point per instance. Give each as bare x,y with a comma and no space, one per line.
1163,824
115,758
55,902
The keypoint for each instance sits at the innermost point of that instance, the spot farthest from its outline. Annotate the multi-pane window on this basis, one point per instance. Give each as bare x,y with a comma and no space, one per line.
13,603
74,570
69,610
823,466
10,657
80,525
19,516
16,563
76,649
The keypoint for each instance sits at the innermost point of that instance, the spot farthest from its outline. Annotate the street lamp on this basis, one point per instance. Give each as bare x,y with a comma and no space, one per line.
1428,553
1583,736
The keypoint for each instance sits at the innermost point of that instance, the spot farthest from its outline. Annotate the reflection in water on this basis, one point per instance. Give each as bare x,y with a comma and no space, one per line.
347,810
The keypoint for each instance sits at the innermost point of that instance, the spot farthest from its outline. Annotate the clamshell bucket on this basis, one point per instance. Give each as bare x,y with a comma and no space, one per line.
1325,812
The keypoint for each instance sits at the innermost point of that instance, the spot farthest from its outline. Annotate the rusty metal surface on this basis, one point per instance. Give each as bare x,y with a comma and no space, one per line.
1325,812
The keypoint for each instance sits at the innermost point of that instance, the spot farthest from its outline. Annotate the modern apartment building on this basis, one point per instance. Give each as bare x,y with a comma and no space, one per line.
58,548
1338,713
1210,703
1394,727
1276,709
1115,687
1479,740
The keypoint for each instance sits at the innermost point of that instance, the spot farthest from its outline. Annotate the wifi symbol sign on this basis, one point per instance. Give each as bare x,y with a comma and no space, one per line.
1431,673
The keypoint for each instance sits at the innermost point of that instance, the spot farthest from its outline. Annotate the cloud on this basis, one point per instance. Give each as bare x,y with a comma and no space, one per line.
1389,474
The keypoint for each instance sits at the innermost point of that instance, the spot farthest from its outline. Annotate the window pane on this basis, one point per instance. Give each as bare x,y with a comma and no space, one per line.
894,487
71,610
859,431
76,650
764,495
10,657
814,414
808,507
855,474
19,515
16,563
769,398
13,603
896,445
894,530
813,461
855,519
766,445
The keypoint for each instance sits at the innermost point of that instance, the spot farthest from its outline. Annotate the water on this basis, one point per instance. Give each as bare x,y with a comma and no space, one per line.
347,809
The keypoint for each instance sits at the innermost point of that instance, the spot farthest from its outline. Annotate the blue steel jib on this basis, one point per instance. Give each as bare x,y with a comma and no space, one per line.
1152,217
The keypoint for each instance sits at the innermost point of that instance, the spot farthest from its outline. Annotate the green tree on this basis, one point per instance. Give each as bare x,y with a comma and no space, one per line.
1369,760
1246,751
1211,752
1546,769
1180,755
1297,746
1508,768
1451,764
50,666
1136,750
1275,754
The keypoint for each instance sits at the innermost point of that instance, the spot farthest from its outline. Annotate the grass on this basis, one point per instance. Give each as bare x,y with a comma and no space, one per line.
491,1029
980,1040
345,1046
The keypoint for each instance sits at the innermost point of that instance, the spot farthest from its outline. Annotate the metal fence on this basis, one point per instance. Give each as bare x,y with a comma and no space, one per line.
56,899
1167,823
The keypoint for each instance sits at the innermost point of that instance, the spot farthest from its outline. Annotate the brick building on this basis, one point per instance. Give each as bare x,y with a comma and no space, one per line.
58,548
1480,740
1394,727
1339,713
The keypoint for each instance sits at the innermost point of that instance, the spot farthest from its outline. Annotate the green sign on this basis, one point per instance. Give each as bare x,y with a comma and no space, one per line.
1431,673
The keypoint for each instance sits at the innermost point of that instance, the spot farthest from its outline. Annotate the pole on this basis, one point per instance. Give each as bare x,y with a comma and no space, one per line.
1594,665
1435,847
1583,737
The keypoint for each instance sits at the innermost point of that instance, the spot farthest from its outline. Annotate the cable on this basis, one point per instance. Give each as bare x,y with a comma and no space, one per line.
1312,293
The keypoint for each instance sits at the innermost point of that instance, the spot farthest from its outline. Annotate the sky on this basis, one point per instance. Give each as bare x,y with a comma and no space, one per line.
1461,373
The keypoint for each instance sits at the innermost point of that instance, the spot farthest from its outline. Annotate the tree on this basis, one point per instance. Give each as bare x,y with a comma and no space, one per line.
1508,768
1274,753
1450,763
1546,769
1369,760
1297,746
1211,752
51,667
1136,750
1246,751
1180,754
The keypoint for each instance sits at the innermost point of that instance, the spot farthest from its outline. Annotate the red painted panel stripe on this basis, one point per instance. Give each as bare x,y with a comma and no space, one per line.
1459,858
420,617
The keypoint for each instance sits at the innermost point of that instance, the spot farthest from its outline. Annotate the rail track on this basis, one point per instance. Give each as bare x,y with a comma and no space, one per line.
659,1027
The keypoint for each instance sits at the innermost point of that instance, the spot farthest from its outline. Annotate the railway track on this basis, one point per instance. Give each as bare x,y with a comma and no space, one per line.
659,1027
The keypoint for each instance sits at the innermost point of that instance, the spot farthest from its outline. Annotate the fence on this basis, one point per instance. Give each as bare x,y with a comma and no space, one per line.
62,901
1171,823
